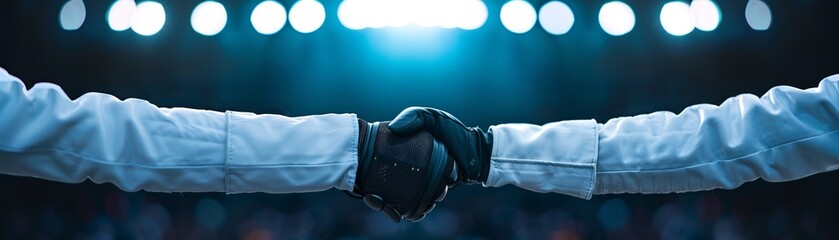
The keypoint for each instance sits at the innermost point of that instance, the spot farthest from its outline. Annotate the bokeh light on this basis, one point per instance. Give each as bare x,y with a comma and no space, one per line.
518,16
427,14
72,15
758,15
350,14
556,17
209,18
470,14
306,16
616,18
148,18
362,14
706,15
676,18
395,13
120,14
268,17
375,12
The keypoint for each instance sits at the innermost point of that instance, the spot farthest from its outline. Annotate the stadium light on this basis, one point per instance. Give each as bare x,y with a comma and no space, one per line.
616,18
120,14
363,14
518,16
72,15
268,17
677,18
556,17
758,15
706,14
208,18
306,16
148,18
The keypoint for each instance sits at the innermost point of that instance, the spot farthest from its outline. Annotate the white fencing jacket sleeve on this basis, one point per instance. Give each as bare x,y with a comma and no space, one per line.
137,145
786,134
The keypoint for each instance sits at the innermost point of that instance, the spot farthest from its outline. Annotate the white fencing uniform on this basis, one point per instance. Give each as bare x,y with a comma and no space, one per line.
787,134
137,145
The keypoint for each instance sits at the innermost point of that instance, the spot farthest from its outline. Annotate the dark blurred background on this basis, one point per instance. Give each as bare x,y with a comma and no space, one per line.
487,76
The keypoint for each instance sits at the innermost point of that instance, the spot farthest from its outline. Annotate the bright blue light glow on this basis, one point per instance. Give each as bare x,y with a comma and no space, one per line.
414,43
148,18
677,18
72,15
758,15
616,18
268,17
463,14
556,17
208,18
706,14
306,16
518,16
120,14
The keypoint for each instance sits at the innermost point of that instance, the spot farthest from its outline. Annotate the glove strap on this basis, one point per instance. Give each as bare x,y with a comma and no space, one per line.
485,153
367,150
478,156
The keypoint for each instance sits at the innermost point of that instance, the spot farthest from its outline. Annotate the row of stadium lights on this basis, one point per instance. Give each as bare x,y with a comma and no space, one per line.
518,16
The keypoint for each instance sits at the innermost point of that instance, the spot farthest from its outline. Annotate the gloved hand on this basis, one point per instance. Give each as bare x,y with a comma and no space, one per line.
471,147
403,176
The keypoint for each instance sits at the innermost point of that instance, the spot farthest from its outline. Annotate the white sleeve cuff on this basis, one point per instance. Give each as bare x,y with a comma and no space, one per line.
278,154
557,157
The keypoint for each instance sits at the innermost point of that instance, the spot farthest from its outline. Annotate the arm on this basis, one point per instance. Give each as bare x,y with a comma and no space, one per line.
787,134
137,145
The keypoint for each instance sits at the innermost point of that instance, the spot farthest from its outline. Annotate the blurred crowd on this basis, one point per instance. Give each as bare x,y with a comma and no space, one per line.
39,209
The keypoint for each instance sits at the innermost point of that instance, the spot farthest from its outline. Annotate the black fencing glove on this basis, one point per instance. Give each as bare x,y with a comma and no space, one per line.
471,147
403,176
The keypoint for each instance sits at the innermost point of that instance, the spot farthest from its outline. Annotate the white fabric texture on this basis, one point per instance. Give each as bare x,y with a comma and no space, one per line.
136,145
557,157
786,134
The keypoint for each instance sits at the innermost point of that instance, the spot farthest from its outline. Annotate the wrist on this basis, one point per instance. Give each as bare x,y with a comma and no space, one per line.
485,144
474,159
366,142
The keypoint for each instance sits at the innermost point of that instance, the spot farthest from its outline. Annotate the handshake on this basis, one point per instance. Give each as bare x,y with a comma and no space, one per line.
406,166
